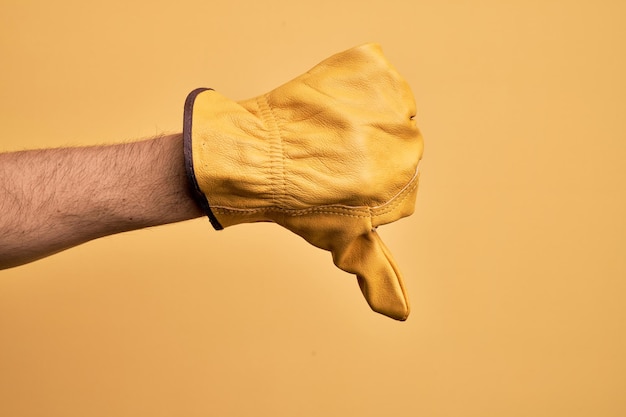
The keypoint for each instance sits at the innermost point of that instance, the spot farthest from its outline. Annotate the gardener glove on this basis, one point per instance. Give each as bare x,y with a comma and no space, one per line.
330,155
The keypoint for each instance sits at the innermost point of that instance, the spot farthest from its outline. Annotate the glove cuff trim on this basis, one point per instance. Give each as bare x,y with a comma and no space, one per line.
199,196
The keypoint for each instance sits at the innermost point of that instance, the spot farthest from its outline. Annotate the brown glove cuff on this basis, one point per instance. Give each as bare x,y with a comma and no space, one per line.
199,196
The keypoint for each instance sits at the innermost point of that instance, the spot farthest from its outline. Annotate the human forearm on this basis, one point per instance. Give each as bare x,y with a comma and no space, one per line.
54,199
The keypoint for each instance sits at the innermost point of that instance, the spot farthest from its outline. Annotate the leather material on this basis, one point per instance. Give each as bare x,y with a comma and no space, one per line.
330,155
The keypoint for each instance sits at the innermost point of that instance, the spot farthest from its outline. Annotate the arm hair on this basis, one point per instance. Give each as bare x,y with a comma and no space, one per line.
53,199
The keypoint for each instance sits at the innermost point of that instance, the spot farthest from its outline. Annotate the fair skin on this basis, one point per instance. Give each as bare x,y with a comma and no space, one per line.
54,199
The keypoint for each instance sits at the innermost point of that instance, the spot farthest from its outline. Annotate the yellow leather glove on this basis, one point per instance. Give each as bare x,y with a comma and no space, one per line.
331,155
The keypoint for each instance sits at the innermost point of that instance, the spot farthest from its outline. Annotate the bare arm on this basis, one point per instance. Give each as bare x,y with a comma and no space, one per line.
53,199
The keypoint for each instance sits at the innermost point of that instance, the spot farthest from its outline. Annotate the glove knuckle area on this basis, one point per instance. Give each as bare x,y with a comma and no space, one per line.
349,153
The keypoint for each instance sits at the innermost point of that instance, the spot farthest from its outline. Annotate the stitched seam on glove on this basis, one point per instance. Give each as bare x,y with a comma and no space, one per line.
360,212
293,212
277,160
399,198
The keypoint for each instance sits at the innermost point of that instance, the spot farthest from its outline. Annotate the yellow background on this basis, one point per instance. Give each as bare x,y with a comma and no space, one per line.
514,260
